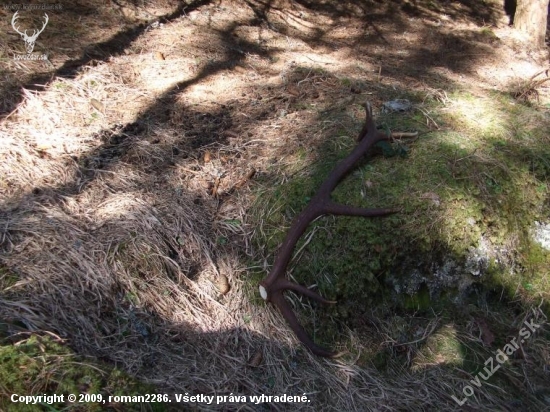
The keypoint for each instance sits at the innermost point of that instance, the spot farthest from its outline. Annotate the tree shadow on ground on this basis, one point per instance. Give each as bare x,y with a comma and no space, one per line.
438,45
90,54
458,10
224,352
363,263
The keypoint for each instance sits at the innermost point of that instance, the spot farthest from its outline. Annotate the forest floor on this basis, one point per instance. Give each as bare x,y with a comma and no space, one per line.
151,166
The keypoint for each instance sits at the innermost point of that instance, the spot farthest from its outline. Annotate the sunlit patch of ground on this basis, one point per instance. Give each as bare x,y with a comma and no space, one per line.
148,180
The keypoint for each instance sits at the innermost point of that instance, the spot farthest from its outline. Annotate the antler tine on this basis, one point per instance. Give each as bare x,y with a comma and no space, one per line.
273,286
284,307
36,32
287,284
46,20
369,122
346,210
14,21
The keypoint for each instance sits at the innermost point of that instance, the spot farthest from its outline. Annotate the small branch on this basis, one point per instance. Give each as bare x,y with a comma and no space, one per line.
429,118
403,135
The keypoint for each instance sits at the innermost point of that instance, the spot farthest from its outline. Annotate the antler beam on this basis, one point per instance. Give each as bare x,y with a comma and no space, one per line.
273,286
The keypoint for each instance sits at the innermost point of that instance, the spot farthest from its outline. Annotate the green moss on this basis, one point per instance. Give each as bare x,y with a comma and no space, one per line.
7,278
483,176
39,365
419,301
345,82
62,86
488,33
442,347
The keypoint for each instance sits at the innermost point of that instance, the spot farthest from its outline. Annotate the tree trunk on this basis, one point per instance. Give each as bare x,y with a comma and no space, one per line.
530,17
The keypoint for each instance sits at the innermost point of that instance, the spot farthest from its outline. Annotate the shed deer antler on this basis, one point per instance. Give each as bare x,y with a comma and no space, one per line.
29,40
273,286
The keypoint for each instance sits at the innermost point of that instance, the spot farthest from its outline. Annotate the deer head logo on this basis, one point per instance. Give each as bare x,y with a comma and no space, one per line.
29,40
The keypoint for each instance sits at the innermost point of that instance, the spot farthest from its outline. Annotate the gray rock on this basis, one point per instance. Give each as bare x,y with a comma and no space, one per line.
398,105
541,234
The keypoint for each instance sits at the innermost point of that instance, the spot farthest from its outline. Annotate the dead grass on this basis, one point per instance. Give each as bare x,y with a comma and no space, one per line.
526,90
132,183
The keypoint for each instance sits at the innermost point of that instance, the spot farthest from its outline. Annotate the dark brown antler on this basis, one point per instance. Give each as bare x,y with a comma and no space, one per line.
272,287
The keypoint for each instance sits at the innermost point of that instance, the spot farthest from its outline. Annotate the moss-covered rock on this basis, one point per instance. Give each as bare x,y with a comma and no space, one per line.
41,365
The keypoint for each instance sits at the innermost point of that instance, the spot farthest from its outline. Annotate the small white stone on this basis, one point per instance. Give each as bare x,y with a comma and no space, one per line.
263,292
541,234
